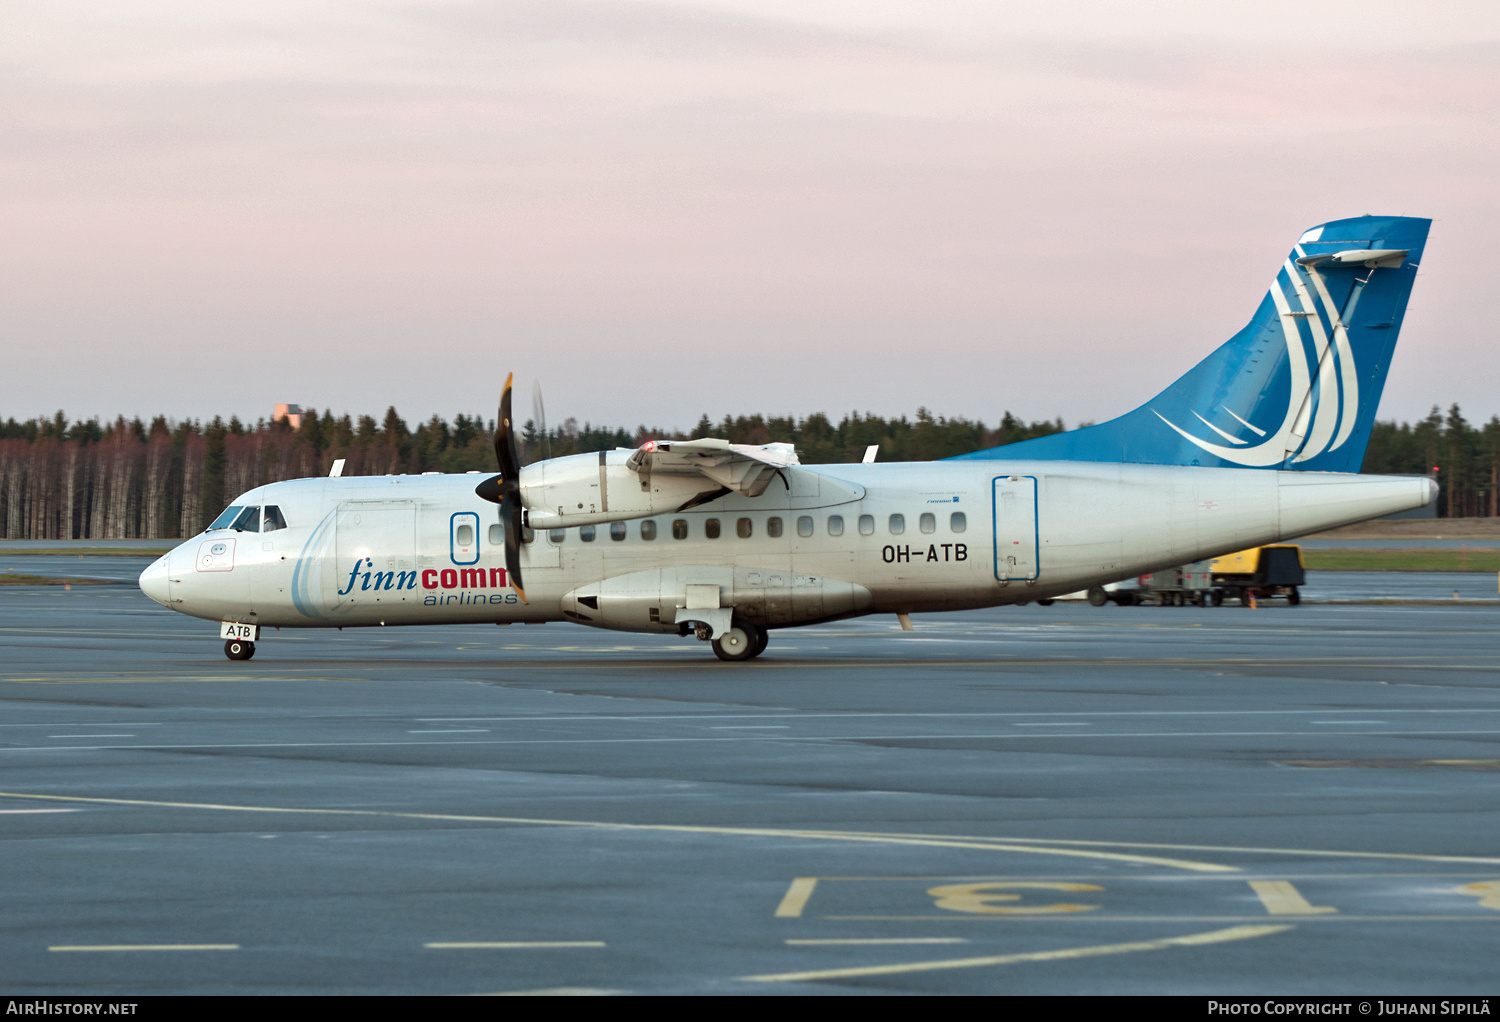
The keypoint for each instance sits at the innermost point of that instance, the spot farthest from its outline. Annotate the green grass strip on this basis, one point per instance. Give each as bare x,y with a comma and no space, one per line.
11,578
1444,559
87,551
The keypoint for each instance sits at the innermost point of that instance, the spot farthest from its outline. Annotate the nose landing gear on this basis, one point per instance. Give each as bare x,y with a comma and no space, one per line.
239,649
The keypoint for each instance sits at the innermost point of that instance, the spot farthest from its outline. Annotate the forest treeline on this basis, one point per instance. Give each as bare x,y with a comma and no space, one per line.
166,479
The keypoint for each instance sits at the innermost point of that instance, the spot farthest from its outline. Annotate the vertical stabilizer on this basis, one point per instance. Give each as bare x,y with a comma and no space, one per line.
1298,387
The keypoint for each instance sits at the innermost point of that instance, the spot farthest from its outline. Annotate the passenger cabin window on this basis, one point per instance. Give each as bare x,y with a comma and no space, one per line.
679,528
742,528
805,525
898,524
648,529
711,528
273,521
528,535
248,521
617,531
958,522
928,522
464,535
557,535
867,525
226,519
497,535
586,533
773,527
835,525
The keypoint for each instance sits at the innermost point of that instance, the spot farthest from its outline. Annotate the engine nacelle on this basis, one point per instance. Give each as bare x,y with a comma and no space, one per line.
589,489
664,599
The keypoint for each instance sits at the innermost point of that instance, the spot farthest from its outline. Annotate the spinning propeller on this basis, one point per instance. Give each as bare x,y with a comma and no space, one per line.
505,490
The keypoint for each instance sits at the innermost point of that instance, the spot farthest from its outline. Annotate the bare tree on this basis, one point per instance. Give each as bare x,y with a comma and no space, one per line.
153,496
194,451
70,485
12,479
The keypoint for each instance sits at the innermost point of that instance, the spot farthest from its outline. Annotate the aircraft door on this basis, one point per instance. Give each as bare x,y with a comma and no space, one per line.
378,539
1017,553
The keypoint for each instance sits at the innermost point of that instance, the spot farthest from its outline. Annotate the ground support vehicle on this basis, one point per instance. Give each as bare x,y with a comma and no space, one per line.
1260,572
1188,585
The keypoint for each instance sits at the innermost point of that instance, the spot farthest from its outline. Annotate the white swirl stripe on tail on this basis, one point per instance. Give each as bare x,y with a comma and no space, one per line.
1273,449
1325,419
1254,429
1348,374
1227,436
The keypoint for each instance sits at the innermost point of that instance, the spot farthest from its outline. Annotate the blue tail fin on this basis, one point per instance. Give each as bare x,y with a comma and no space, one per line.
1297,388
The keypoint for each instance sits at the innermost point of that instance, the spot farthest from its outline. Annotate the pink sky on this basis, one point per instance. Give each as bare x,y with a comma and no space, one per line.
664,209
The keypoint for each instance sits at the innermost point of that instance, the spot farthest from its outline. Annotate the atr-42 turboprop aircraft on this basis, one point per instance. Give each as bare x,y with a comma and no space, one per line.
1259,442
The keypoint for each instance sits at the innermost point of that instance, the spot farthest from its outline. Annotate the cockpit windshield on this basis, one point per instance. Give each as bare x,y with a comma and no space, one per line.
248,521
226,519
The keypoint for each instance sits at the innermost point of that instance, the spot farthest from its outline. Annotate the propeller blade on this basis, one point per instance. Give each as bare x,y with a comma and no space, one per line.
510,511
507,458
505,489
539,416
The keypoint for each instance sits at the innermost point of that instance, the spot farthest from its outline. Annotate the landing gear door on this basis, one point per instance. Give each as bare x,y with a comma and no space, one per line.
1017,545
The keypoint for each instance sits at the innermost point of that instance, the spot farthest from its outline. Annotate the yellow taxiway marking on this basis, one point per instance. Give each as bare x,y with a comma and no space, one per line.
862,941
1488,893
144,947
915,840
1188,940
1249,850
465,945
556,992
795,899
1281,898
1188,917
985,898
1135,877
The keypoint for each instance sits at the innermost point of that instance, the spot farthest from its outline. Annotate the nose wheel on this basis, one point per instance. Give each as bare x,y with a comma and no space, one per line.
239,649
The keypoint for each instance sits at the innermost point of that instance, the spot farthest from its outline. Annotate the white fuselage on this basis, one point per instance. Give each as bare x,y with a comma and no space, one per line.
391,549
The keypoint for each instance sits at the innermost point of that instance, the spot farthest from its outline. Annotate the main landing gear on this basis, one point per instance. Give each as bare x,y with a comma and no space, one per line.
239,649
743,641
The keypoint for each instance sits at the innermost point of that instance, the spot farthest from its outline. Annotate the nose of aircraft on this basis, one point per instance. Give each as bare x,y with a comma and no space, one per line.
153,580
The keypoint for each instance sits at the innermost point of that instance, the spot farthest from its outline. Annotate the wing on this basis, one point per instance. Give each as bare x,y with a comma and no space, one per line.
744,468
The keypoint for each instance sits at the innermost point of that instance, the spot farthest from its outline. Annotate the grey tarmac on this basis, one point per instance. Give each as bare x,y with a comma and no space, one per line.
1023,800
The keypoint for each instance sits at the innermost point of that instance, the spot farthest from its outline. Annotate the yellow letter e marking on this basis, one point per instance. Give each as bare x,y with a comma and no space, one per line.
985,898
